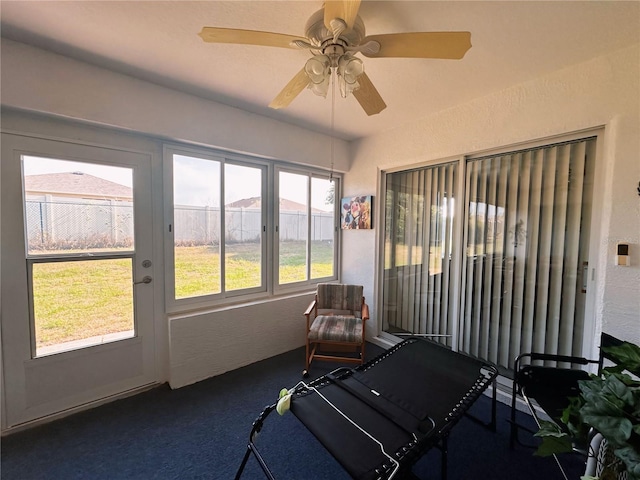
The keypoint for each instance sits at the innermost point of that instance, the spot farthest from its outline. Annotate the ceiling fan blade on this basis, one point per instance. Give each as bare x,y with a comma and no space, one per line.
347,10
451,45
368,97
291,90
248,37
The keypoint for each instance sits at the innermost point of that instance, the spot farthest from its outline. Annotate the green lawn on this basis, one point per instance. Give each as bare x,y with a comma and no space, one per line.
76,300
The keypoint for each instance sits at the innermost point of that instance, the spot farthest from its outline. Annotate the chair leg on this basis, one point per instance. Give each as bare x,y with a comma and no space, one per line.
306,366
514,427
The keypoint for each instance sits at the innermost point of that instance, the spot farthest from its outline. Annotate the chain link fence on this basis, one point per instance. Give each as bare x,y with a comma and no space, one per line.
66,224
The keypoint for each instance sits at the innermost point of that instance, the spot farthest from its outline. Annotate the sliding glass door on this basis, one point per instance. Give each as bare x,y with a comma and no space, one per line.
418,247
524,240
525,248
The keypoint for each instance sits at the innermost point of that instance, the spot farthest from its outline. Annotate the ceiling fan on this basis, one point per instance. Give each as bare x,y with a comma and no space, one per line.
334,35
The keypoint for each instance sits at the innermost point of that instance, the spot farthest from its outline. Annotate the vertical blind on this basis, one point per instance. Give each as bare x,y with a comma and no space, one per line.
525,237
417,283
525,244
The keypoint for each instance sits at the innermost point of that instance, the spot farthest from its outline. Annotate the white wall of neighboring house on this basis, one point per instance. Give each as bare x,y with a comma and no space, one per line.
601,92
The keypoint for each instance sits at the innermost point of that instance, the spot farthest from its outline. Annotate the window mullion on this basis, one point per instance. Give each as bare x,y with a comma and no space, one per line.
222,242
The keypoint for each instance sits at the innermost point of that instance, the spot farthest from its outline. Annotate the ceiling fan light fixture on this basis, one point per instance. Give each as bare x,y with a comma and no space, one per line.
347,88
349,69
318,68
321,89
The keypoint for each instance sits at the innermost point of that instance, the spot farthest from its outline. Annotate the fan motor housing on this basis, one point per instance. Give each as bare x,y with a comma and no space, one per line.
318,34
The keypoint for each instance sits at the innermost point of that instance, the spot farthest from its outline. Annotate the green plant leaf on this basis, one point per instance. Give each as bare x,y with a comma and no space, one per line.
606,396
554,444
616,430
554,440
615,386
626,355
631,459
548,429
609,403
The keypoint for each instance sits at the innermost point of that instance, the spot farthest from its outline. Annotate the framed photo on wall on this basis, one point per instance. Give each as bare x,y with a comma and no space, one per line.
357,212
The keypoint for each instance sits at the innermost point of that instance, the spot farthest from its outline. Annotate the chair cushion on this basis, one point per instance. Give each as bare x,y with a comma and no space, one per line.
340,297
336,328
335,312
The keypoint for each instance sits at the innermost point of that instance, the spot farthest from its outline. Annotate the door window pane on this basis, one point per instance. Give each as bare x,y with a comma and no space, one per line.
81,303
73,207
196,218
243,226
293,227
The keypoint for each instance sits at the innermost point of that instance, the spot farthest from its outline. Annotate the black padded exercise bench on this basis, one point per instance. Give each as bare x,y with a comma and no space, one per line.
379,418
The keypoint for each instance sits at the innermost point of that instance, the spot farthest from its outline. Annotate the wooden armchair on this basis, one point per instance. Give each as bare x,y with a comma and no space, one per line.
336,321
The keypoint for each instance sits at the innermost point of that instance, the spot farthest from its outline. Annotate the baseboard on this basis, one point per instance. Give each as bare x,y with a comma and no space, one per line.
86,406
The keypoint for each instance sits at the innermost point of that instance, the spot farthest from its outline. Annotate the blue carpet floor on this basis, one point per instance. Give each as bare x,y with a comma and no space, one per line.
201,432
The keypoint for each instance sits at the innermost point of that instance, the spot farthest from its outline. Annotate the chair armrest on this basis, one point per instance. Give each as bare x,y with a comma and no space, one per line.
310,308
365,311
560,358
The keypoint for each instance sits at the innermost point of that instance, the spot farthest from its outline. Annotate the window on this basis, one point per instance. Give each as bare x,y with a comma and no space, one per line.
196,226
306,229
223,231
80,250
513,284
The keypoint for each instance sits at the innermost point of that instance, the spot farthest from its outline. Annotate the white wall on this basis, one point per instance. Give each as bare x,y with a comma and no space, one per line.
205,345
602,92
39,81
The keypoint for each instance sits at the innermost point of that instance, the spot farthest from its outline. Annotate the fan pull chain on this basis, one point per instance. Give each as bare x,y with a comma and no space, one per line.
333,108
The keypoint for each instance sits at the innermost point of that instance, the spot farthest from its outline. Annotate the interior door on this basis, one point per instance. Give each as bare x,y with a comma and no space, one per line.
77,280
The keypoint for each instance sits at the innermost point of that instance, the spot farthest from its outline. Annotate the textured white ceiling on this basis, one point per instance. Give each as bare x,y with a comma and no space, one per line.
157,41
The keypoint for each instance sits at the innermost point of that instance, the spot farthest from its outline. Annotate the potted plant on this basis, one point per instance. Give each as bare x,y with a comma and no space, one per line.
609,404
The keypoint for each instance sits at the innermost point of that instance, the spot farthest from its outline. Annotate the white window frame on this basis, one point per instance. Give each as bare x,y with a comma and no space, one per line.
305,284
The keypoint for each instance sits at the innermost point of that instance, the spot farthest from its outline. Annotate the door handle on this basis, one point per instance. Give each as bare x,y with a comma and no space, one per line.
145,279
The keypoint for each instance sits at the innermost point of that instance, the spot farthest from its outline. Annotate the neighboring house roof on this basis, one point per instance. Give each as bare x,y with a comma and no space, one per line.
75,184
285,205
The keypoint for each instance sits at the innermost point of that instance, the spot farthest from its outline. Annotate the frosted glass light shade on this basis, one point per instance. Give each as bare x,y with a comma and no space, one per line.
349,69
318,69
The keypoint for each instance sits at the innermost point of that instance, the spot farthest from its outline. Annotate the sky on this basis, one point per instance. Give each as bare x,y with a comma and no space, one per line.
37,166
194,180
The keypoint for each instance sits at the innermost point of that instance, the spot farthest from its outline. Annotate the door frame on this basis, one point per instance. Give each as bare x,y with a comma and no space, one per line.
17,358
